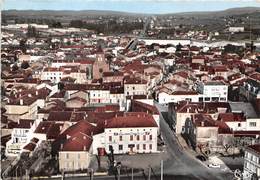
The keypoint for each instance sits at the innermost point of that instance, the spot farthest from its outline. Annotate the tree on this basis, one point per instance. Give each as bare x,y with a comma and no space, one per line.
32,32
60,86
226,147
15,67
23,45
25,65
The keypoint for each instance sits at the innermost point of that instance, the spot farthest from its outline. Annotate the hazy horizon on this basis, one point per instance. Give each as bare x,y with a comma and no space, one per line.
143,6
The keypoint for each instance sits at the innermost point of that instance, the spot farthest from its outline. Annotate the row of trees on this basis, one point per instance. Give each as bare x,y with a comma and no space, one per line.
111,26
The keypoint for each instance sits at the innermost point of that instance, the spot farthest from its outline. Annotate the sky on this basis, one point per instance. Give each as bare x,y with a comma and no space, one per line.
137,6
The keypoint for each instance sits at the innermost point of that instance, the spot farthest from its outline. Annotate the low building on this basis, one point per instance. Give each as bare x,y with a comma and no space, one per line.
165,96
236,29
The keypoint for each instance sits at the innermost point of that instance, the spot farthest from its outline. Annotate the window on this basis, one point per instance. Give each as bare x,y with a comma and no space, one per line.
252,124
144,146
120,147
207,99
131,137
78,156
137,137
67,155
137,146
150,137
120,138
144,137
150,146
110,138
133,88
223,99
239,124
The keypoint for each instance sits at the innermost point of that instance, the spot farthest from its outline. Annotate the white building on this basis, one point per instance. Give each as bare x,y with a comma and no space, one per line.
166,97
252,162
236,29
213,91
21,135
128,134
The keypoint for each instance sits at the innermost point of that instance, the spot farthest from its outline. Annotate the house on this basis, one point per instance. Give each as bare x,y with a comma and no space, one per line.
179,112
201,130
76,102
21,134
74,146
135,86
21,107
250,88
113,77
252,162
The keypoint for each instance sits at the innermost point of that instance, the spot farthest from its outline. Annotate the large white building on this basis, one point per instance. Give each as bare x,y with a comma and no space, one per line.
128,134
213,91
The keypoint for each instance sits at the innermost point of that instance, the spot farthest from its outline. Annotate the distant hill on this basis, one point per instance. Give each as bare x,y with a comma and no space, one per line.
227,12
67,13
85,13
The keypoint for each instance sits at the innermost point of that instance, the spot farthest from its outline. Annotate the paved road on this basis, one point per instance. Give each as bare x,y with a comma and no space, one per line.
180,162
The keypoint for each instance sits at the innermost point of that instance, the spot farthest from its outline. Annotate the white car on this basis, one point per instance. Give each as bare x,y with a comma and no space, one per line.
214,165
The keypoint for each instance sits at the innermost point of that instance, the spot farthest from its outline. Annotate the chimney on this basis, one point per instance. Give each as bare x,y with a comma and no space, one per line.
29,95
8,100
105,122
84,148
202,123
36,92
21,101
61,146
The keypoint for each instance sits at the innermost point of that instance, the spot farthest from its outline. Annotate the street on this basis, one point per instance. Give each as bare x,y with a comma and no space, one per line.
180,162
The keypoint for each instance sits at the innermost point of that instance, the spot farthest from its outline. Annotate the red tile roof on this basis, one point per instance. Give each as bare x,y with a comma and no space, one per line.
138,121
230,117
78,142
137,106
202,120
30,146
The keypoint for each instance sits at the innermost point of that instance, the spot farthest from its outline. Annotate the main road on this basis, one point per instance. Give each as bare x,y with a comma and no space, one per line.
181,162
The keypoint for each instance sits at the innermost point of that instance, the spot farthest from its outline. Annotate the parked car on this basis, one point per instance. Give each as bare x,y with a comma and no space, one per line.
201,158
214,165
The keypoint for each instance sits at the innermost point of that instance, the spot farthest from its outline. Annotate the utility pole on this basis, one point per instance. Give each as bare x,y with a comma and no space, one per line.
118,172
149,173
132,174
62,175
91,174
161,169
